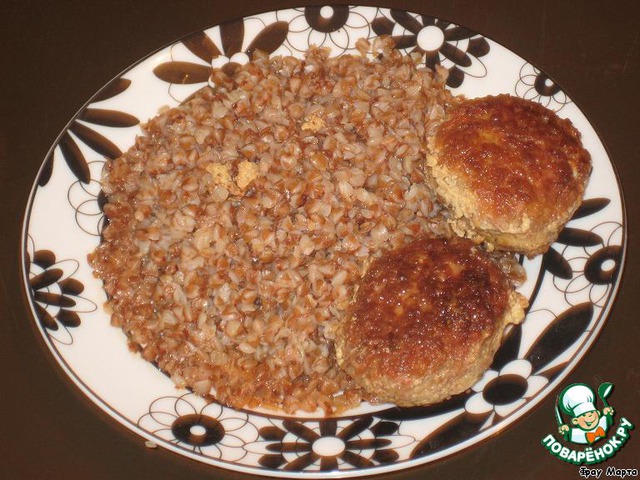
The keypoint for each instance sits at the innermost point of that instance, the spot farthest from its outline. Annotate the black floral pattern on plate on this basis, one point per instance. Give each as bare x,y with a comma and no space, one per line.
296,446
438,40
335,26
79,131
56,295
327,22
88,200
581,259
594,258
211,430
511,381
501,392
560,334
556,263
537,86
456,430
232,35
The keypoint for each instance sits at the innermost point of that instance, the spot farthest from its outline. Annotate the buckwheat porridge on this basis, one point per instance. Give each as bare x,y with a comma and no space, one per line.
241,220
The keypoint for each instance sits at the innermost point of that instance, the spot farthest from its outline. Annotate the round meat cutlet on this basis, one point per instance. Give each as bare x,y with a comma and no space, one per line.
509,171
426,321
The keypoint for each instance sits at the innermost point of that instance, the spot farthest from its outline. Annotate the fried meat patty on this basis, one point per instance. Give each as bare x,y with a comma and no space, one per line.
509,171
426,321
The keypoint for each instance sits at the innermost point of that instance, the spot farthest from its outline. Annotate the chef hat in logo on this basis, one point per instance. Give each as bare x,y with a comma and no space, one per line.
577,399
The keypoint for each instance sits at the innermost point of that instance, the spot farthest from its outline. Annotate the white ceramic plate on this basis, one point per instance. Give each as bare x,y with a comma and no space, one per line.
571,288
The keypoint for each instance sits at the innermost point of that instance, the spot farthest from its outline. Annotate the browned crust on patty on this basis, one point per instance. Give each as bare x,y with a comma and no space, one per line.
426,321
510,171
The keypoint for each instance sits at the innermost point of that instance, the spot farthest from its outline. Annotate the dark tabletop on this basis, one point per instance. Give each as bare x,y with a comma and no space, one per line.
57,54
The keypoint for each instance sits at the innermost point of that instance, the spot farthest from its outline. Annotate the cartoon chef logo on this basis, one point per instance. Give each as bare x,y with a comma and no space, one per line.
587,424
580,422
